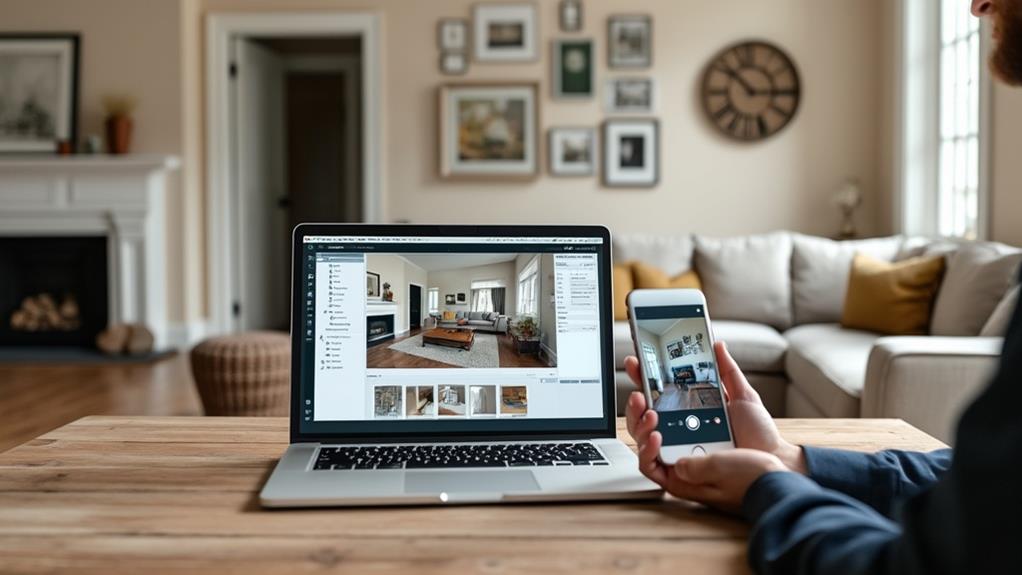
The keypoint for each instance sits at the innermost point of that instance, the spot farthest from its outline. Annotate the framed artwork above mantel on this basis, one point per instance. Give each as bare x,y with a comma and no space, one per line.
38,91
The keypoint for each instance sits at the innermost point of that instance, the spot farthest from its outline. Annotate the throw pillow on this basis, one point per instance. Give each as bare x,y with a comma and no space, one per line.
819,273
892,298
448,315
977,278
622,286
651,277
747,278
997,325
671,253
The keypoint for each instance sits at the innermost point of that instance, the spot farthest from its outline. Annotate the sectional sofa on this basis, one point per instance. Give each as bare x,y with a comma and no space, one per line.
776,300
476,320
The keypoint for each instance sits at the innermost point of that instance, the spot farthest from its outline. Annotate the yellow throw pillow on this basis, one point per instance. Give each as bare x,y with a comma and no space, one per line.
652,277
622,286
449,315
892,298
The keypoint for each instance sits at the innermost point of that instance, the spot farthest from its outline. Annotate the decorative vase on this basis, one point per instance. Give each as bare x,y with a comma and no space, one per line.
118,134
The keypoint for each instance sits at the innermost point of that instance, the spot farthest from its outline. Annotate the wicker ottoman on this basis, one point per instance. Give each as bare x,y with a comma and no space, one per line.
244,374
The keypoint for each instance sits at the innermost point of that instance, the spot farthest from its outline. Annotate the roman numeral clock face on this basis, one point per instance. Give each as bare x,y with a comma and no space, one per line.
751,91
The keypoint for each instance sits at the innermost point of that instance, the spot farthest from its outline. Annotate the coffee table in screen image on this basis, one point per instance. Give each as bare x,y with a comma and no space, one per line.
459,338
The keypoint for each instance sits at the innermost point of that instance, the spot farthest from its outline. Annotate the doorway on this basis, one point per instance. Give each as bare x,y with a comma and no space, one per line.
294,143
414,306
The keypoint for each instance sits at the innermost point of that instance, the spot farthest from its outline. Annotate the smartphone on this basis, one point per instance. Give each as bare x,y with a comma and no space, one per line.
674,344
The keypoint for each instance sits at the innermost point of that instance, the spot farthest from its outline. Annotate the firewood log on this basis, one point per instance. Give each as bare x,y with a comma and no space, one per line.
140,341
113,339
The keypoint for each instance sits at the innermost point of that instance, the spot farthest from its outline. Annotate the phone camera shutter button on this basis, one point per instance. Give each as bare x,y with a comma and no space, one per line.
692,422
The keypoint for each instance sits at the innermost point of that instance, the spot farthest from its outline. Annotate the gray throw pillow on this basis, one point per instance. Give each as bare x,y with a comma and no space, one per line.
997,325
977,277
820,269
747,278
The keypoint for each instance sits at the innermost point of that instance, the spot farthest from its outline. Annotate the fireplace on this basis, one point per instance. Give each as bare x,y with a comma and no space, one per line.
379,328
53,291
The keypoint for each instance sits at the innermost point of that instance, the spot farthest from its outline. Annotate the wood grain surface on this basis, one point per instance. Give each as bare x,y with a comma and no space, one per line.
180,494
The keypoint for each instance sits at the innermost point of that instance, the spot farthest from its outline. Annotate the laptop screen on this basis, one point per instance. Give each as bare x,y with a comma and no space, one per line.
451,335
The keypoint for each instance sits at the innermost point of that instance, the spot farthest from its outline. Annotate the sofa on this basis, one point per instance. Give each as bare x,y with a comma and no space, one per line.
475,320
776,300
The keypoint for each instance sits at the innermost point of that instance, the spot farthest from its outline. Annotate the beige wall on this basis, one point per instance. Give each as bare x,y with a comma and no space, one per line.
145,48
1005,167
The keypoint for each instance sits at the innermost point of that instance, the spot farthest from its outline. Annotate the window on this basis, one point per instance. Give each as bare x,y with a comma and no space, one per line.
488,295
528,289
652,365
958,213
433,300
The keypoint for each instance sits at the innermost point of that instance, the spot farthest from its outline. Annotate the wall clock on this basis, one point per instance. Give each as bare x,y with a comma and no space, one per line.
751,90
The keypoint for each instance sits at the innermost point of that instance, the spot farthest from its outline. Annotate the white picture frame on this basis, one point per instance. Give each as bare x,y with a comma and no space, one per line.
572,151
489,131
629,41
505,32
453,63
570,15
634,95
631,149
452,35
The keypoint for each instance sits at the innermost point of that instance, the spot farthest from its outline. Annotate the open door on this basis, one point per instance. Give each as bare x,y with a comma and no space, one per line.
261,241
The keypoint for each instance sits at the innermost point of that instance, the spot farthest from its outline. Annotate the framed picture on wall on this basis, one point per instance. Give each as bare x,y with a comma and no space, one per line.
572,151
373,285
631,153
505,32
461,298
449,299
488,131
453,63
629,95
630,41
570,15
38,91
572,68
453,35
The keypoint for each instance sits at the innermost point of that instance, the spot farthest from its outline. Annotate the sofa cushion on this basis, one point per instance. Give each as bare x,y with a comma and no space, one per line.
892,298
480,322
622,286
976,280
648,276
623,346
827,363
459,315
747,278
819,273
756,347
673,254
997,325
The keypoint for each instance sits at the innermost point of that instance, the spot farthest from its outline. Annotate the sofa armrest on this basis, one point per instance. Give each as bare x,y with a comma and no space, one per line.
927,381
500,324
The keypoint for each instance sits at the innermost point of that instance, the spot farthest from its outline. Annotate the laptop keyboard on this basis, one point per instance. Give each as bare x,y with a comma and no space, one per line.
458,456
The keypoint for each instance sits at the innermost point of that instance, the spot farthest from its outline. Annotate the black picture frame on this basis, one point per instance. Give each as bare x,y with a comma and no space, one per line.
370,277
462,298
449,299
74,43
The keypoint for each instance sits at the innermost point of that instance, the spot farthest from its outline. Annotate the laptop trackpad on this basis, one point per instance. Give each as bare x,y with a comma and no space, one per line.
469,481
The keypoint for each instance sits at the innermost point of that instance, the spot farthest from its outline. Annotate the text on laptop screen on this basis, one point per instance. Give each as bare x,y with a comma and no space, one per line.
448,333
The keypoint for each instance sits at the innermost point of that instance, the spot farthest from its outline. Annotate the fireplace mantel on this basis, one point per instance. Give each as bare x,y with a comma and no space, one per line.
120,197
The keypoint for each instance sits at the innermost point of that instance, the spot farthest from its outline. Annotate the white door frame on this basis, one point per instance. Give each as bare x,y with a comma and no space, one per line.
220,29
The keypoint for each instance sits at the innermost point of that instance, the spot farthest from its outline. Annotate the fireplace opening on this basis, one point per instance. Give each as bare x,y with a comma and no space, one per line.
53,290
379,328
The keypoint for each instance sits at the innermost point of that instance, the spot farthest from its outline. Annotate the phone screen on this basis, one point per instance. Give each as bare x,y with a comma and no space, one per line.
677,361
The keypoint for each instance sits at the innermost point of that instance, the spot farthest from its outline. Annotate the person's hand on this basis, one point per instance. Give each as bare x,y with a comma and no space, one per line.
752,425
720,479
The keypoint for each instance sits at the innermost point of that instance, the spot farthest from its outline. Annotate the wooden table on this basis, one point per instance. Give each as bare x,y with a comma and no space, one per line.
179,494
459,338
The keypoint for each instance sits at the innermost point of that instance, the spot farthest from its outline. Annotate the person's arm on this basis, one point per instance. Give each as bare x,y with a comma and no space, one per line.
880,480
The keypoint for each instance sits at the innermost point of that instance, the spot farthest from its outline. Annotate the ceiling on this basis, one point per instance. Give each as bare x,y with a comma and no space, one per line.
440,262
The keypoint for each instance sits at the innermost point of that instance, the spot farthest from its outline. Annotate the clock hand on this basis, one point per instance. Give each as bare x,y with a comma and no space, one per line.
745,85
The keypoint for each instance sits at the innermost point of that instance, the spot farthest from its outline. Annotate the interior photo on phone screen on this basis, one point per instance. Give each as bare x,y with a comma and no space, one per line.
677,361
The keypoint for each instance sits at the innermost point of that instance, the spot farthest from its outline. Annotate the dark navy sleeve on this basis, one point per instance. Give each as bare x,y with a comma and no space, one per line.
879,480
932,518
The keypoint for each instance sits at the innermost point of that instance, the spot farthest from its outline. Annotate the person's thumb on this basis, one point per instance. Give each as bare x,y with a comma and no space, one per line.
695,470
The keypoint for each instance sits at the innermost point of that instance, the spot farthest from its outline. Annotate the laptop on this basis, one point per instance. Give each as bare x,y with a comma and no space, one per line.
452,364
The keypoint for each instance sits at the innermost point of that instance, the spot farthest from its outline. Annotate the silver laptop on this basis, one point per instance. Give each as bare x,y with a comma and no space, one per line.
452,364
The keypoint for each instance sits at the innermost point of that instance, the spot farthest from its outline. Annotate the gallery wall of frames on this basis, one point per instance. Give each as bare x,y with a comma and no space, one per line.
490,130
